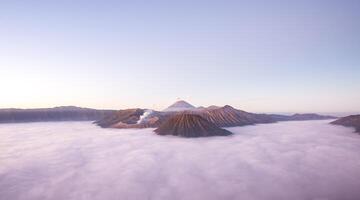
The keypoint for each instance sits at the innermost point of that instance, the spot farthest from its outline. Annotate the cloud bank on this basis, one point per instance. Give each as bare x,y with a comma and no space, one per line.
77,160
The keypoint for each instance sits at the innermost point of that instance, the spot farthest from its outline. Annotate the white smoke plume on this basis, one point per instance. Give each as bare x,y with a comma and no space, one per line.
310,160
144,116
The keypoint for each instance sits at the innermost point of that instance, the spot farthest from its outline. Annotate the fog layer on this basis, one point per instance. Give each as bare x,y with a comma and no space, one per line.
77,160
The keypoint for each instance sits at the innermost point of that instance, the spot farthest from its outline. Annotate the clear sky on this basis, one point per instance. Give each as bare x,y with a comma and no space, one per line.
261,56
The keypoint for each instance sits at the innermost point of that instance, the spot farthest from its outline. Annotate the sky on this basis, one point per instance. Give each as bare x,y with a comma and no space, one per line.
260,56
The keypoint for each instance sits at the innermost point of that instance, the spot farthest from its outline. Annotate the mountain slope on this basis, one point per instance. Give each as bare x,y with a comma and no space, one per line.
190,125
128,116
134,118
349,121
228,116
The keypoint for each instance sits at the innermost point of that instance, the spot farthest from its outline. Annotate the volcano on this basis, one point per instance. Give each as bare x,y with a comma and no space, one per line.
190,125
226,116
179,106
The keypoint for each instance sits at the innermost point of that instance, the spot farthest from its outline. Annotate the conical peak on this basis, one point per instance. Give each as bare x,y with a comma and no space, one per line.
180,105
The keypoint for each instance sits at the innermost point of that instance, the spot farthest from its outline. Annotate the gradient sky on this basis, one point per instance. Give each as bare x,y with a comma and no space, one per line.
261,56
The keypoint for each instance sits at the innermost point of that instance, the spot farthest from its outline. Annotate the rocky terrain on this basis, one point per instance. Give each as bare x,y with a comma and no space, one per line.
349,121
190,125
64,113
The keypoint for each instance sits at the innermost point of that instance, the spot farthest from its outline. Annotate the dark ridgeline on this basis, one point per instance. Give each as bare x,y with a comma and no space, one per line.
64,113
190,125
349,121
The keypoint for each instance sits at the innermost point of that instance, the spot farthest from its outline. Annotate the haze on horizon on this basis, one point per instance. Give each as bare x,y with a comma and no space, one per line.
260,56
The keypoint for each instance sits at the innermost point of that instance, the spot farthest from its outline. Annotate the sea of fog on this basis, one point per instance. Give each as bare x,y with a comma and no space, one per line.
305,160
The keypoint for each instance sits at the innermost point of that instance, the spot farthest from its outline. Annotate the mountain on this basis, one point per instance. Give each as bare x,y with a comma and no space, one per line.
134,118
179,106
62,113
228,116
349,121
190,125
128,116
310,116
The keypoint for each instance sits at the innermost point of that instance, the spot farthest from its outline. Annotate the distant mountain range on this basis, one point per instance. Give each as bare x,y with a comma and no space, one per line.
349,121
301,117
180,118
63,113
214,116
